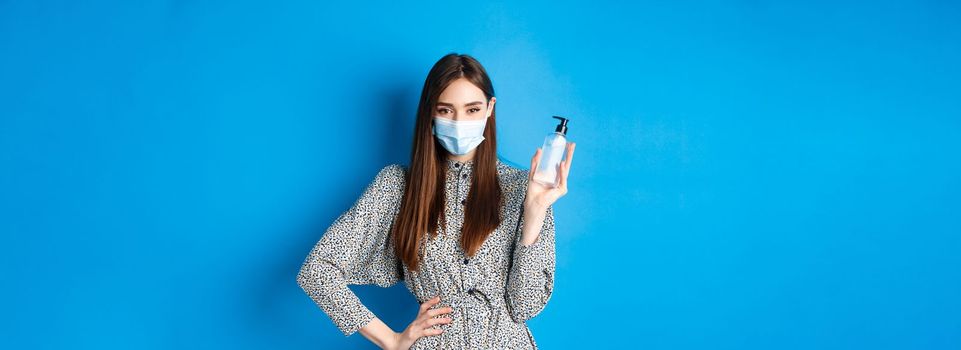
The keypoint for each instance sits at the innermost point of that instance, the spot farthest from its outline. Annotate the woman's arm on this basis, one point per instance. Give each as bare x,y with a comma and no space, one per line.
379,333
533,222
531,277
530,282
539,198
355,250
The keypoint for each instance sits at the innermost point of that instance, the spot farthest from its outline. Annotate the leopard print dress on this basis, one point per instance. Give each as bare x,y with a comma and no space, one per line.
492,293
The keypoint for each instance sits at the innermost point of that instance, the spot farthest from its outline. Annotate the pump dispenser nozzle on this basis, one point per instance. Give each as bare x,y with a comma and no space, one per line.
562,127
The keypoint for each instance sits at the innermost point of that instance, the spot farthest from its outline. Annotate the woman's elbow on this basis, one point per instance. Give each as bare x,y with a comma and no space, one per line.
315,278
525,307
305,281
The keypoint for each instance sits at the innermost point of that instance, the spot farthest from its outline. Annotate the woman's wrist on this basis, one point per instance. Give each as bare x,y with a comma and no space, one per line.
394,342
532,207
381,335
534,216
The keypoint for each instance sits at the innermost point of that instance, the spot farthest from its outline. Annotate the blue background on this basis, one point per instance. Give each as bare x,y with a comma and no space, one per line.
749,174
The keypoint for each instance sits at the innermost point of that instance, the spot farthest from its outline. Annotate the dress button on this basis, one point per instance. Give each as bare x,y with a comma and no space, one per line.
466,260
471,291
463,201
464,176
457,165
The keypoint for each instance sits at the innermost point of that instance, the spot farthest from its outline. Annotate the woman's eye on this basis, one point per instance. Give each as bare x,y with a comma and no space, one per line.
474,110
443,111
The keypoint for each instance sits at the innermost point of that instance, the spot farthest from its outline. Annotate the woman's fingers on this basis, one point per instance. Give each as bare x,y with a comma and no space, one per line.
424,324
441,311
561,176
570,155
435,321
534,160
564,165
564,168
428,304
429,323
433,331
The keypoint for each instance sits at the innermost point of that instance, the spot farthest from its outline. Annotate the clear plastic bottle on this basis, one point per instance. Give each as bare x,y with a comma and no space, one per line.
555,146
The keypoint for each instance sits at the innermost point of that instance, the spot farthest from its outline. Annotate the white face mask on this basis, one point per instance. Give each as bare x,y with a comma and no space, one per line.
459,136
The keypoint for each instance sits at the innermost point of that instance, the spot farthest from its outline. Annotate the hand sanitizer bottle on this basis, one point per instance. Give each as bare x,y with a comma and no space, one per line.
555,146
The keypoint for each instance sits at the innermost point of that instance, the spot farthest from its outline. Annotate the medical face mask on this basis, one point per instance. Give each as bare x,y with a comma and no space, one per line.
459,136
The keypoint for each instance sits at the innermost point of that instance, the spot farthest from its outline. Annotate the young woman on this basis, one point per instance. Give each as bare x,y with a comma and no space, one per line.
471,237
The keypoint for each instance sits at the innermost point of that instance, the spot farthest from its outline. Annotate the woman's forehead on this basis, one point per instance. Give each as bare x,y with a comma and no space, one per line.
461,92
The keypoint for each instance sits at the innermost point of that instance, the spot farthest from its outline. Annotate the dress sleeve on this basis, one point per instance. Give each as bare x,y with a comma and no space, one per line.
531,279
356,249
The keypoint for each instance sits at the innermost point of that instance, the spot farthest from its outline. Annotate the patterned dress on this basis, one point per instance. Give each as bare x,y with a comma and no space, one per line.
492,293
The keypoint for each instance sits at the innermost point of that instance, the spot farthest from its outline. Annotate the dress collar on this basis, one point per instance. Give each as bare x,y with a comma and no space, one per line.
469,165
456,165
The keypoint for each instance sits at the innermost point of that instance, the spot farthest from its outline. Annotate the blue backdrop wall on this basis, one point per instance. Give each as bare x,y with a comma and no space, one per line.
750,174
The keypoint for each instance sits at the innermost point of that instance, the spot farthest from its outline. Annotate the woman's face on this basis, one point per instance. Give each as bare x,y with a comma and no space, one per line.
462,100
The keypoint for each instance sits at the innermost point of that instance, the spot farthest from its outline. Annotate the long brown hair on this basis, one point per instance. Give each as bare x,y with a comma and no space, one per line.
423,205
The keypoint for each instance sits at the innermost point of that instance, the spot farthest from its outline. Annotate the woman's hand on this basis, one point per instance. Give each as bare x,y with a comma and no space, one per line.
423,325
539,197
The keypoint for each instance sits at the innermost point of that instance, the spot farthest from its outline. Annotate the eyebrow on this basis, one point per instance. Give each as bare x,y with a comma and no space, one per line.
466,105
